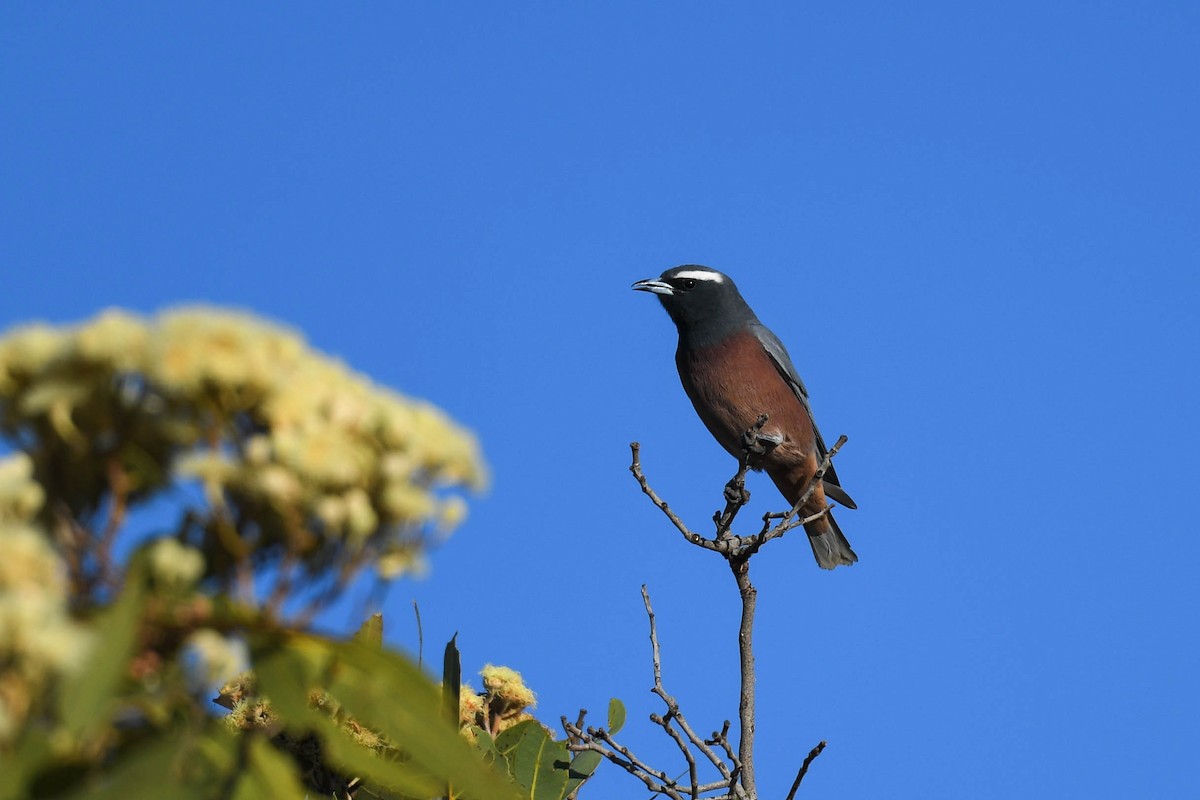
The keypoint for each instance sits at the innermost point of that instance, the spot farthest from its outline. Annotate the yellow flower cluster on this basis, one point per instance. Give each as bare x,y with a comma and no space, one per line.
175,565
38,639
507,687
20,495
504,703
213,658
255,416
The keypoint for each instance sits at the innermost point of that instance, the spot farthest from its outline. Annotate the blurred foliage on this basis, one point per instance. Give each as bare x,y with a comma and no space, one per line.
287,476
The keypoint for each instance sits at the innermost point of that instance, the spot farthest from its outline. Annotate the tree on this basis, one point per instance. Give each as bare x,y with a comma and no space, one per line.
733,765
287,476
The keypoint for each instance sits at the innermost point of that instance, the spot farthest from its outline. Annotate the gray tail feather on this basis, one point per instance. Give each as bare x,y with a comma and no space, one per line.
829,545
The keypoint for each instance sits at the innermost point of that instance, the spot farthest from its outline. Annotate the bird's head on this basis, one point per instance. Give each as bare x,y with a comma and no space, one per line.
699,299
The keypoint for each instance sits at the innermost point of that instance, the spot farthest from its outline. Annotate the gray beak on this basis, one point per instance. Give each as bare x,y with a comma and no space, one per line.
655,286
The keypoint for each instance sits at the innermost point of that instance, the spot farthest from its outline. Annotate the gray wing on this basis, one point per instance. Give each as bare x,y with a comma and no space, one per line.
783,363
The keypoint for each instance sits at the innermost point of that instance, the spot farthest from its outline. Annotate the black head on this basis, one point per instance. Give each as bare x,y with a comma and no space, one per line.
702,302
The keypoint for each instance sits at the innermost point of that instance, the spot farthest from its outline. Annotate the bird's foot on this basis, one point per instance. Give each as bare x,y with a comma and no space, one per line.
757,443
736,492
760,445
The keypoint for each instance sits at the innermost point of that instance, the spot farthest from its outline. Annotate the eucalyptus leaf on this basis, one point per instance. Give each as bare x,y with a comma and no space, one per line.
389,694
386,693
537,763
87,698
616,716
269,774
583,766
18,764
451,680
371,632
147,770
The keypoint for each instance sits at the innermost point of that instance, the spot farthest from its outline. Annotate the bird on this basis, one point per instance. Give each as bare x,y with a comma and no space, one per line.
734,369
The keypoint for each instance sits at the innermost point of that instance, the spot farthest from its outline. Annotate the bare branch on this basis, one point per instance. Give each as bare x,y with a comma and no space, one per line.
673,710
736,495
746,713
636,468
788,521
812,754
655,780
721,739
119,487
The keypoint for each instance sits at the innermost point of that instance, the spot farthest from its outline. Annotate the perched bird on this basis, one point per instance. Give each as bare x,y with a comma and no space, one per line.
734,370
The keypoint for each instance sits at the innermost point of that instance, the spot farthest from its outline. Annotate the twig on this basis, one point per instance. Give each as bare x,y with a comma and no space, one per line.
665,722
636,468
736,495
420,634
721,738
582,740
283,584
812,754
588,741
787,521
673,709
72,540
118,485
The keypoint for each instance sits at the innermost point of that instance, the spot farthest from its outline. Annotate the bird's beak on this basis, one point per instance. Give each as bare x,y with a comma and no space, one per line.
654,285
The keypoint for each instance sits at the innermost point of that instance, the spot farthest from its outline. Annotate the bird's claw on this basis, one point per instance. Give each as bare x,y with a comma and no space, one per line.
760,444
736,493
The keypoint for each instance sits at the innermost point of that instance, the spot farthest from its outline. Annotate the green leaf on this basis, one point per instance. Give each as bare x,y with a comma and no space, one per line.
485,744
371,632
87,699
269,774
376,770
616,716
582,767
29,754
451,680
145,770
386,693
286,673
536,762
389,694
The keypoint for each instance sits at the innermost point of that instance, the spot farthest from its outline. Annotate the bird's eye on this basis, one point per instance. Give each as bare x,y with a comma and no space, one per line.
689,284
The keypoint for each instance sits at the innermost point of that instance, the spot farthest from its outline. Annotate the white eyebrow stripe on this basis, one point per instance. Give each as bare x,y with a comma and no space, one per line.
701,275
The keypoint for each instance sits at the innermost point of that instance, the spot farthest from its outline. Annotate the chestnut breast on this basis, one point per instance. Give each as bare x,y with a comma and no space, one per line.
731,383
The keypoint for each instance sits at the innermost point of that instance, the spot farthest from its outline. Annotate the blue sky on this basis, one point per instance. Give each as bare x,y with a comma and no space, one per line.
976,228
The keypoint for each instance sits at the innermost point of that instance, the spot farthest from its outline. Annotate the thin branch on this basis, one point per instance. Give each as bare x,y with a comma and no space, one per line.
119,486
420,634
614,754
787,521
749,596
812,754
736,495
283,584
671,787
673,709
636,468
721,739
71,538
665,722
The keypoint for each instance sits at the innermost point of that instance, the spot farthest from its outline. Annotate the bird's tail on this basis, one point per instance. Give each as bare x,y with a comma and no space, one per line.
829,545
